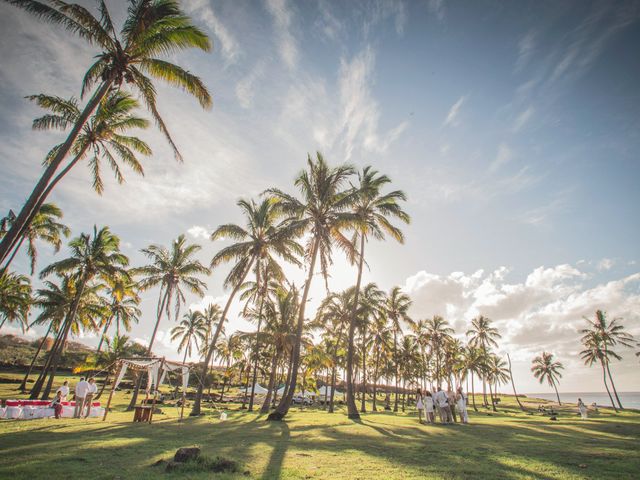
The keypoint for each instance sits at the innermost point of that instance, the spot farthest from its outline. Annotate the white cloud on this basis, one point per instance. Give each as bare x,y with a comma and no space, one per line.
503,156
379,11
199,232
283,20
202,10
246,87
454,111
522,119
526,48
605,264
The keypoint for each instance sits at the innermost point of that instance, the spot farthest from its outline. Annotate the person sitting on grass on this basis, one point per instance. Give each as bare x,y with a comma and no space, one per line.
56,404
419,405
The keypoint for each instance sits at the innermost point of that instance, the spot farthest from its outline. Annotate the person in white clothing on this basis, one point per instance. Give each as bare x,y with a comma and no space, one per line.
80,392
442,402
583,409
419,405
461,405
64,391
428,407
91,391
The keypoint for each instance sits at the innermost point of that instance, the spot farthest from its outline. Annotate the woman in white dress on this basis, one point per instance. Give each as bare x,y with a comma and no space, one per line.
419,405
461,406
583,409
428,407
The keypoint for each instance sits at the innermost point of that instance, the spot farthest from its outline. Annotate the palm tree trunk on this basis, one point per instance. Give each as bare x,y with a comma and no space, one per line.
557,394
334,373
375,381
513,384
613,386
285,402
604,376
364,370
473,394
272,381
352,409
395,364
256,349
20,224
23,385
196,404
104,333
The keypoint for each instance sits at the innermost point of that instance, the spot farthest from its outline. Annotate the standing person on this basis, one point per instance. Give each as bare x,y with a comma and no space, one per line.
442,403
461,403
91,391
82,387
419,405
451,400
64,389
428,407
56,404
583,409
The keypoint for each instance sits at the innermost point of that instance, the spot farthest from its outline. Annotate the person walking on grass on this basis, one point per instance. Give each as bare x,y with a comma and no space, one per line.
56,404
461,404
428,407
82,387
64,390
419,405
88,399
583,409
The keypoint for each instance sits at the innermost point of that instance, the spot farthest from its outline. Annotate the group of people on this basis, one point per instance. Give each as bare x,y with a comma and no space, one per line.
83,395
449,406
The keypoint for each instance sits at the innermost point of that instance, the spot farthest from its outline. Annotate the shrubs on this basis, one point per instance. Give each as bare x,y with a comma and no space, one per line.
189,459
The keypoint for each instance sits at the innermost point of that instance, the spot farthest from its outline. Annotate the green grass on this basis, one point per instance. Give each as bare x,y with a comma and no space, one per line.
315,444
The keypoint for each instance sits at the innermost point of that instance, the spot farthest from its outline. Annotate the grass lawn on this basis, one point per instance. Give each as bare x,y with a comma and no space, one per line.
315,444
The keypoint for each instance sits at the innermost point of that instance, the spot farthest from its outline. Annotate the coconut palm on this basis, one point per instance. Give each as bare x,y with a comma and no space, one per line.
371,303
259,244
15,299
189,331
396,308
44,227
438,334
372,211
123,306
151,29
92,256
610,333
594,353
382,340
545,367
497,374
323,213
483,335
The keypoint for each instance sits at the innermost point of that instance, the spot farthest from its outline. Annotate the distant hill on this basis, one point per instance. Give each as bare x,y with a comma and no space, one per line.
17,352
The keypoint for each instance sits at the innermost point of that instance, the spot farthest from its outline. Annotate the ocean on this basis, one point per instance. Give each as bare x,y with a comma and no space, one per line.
628,399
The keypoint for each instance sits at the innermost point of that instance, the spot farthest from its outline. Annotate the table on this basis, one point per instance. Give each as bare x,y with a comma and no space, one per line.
142,413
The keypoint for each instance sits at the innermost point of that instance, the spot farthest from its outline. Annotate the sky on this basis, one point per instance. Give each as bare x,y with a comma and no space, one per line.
513,128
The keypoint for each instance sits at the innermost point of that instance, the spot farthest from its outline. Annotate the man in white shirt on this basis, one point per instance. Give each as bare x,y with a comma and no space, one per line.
92,390
64,391
442,403
80,392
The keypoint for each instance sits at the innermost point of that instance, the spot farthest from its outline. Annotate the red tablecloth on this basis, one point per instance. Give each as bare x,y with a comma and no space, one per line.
40,403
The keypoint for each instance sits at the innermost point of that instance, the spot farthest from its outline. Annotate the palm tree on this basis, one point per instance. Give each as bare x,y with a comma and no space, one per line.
191,329
498,373
438,333
515,394
15,299
44,227
92,256
323,212
371,213
594,353
382,347
371,303
610,334
397,311
262,240
483,335
151,29
545,367
123,306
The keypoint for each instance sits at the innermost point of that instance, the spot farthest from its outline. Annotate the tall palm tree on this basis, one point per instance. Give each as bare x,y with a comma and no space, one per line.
261,242
545,367
371,303
382,340
189,331
151,29
372,211
397,311
123,306
594,353
610,333
44,227
483,335
323,213
92,256
15,299
498,374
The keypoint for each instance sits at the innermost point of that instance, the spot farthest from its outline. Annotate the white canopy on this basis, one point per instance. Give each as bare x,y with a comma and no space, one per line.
322,391
258,390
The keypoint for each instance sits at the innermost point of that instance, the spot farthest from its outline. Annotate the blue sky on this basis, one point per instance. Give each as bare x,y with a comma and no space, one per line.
512,126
